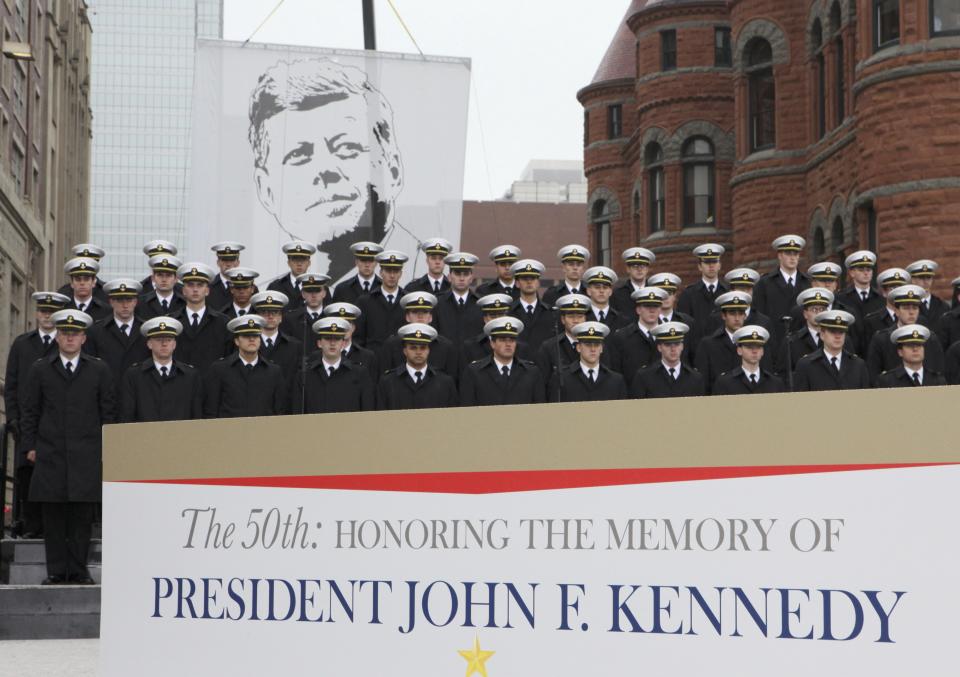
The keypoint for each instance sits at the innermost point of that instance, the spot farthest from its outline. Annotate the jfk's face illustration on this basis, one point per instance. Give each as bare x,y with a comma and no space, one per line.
321,166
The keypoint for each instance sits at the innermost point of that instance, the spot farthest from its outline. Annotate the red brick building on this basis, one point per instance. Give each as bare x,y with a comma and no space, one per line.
735,121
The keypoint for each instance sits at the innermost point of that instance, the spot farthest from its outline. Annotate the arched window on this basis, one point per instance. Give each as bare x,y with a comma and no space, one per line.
819,245
821,75
762,94
886,24
653,159
698,182
836,233
840,81
600,215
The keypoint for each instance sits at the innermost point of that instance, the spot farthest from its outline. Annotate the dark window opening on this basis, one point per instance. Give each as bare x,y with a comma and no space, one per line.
762,96
698,183
586,128
841,82
836,234
819,245
668,50
656,220
723,52
886,23
615,121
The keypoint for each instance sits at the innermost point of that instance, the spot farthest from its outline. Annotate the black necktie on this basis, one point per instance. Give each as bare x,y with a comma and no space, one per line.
530,311
419,376
124,328
248,367
315,316
436,287
196,320
836,367
390,299
330,371
711,288
673,373
590,375
241,313
661,321
753,379
790,283
505,371
601,316
81,306
164,305
916,379
46,341
863,295
366,286
163,372
462,303
269,343
69,367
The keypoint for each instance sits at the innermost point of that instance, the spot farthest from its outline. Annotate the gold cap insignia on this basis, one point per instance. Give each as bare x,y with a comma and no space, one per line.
592,331
575,253
673,331
49,299
342,312
529,268
507,253
508,326
421,301
226,250
896,276
755,335
69,318
299,248
463,261
366,250
251,322
165,262
86,252
163,325
916,334
419,334
123,287
334,327
83,266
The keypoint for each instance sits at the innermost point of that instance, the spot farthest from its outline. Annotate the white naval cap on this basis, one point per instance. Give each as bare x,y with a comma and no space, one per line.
248,325
88,250
861,259
505,253
299,249
600,275
573,252
815,296
527,268
638,256
508,327
81,265
789,243
751,334
667,281
154,247
162,326
910,333
742,277
650,296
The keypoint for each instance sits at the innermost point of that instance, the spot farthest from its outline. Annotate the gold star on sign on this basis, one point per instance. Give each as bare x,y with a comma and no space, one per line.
476,659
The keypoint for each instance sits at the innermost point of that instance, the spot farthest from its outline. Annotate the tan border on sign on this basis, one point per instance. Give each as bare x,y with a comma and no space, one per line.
865,427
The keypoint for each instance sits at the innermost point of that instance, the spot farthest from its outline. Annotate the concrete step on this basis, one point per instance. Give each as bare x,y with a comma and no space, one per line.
33,574
30,551
49,612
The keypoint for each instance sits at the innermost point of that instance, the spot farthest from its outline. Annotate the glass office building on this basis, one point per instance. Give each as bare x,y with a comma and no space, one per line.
141,93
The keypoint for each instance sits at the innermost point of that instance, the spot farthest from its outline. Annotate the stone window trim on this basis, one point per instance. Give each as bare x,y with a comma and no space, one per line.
841,210
611,206
724,143
769,31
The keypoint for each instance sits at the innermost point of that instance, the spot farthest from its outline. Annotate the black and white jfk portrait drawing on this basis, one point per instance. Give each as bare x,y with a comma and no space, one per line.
327,146
327,163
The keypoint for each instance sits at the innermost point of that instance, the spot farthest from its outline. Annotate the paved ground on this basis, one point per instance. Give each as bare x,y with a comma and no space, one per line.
49,658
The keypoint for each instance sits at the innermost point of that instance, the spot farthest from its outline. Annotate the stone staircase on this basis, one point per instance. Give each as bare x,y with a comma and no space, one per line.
29,610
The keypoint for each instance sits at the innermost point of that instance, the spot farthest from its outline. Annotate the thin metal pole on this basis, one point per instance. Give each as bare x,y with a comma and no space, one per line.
369,26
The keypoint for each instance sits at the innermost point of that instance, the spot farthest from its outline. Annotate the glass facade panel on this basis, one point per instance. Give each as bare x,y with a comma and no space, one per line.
141,91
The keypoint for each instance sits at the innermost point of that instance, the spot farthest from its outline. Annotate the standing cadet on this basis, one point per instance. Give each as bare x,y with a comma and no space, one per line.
242,289
823,275
806,339
366,280
742,280
204,338
457,315
670,376
415,384
633,347
350,350
69,398
885,317
717,352
539,321
298,261
434,281
116,339
573,261
491,307
933,308
24,351
503,258
638,261
276,346
151,249
298,320
832,367
163,299
860,298
228,257
87,251
587,380
243,384
697,300
559,351
83,279
600,281
501,377
381,314
444,355
670,283
750,378
331,383
776,292
160,388
910,341
882,352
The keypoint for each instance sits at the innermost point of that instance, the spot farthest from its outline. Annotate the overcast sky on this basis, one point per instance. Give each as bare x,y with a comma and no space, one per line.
529,59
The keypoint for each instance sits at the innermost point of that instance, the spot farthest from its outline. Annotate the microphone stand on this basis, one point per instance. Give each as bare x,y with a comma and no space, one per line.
786,319
557,329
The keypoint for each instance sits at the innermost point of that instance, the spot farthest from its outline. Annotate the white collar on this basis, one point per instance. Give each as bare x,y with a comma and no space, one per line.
707,283
893,315
643,329
51,334
395,293
861,290
814,334
327,365
168,365
346,347
293,280
572,288
730,336
749,373
525,303
164,297
86,303
120,322
585,369
911,372
275,335
830,357
248,364
363,279
667,318
440,279
413,372
248,310
459,296
635,286
74,361
199,313
500,365
598,309
513,283
667,368
789,276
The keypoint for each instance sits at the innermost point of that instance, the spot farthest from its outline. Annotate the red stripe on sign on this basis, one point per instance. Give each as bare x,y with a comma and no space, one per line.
528,480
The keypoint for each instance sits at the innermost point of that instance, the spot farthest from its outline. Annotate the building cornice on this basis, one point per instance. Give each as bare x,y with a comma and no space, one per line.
607,87
665,10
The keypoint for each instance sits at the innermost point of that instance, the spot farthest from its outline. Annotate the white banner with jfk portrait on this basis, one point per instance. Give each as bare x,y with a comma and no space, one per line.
328,146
